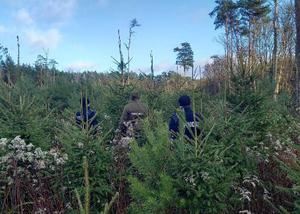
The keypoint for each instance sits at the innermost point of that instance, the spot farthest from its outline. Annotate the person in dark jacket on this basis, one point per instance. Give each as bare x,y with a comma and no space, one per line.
132,113
192,126
86,117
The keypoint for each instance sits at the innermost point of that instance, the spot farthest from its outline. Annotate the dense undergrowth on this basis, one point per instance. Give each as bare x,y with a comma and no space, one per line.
248,160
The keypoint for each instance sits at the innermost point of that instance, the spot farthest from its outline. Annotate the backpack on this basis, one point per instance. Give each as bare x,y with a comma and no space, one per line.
132,127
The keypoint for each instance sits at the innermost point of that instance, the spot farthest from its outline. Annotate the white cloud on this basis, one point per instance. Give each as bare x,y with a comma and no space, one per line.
202,62
54,11
166,66
83,66
23,16
41,21
43,39
163,66
48,12
3,29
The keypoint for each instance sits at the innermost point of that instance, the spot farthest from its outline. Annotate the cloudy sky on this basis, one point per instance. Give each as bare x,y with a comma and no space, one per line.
82,34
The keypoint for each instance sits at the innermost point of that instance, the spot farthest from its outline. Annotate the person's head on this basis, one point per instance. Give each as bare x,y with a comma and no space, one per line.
184,101
135,96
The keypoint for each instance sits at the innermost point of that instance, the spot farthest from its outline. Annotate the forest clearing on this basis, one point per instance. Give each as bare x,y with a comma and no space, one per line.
222,137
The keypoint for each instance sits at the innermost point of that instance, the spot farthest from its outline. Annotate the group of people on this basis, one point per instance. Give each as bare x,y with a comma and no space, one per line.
135,110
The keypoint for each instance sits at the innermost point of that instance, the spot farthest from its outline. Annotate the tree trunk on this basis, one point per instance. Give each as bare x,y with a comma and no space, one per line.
128,55
121,65
274,75
297,11
18,44
279,79
275,29
249,46
227,44
152,70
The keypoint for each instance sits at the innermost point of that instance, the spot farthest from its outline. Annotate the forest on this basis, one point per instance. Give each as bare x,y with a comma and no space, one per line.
247,161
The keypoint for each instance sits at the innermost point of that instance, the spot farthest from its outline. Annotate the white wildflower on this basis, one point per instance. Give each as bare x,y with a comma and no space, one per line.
29,147
106,117
245,212
41,164
41,211
65,157
290,153
68,206
266,194
245,194
5,158
59,161
190,179
3,142
20,170
18,143
10,181
125,141
30,156
20,156
277,145
39,153
252,179
205,176
80,145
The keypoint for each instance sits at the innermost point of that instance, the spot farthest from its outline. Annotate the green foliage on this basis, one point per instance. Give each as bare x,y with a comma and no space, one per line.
119,96
172,178
60,96
166,176
225,12
185,56
251,10
239,15
22,114
79,143
3,52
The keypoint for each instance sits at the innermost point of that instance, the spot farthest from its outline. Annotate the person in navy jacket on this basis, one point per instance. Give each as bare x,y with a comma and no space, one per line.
86,116
192,121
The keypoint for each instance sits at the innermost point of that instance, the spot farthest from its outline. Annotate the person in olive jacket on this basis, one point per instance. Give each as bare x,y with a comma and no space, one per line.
133,112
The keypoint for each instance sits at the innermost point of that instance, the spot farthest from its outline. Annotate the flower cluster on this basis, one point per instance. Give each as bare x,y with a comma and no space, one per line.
122,142
274,145
283,147
249,184
245,212
195,176
106,116
244,193
57,157
24,160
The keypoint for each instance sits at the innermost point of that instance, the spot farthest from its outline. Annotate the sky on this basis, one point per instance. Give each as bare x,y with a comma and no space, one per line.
82,34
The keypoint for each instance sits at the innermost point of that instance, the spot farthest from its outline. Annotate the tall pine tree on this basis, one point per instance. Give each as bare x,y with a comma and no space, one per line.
185,56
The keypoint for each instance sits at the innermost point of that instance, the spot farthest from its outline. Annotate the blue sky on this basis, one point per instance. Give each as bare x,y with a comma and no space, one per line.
82,34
